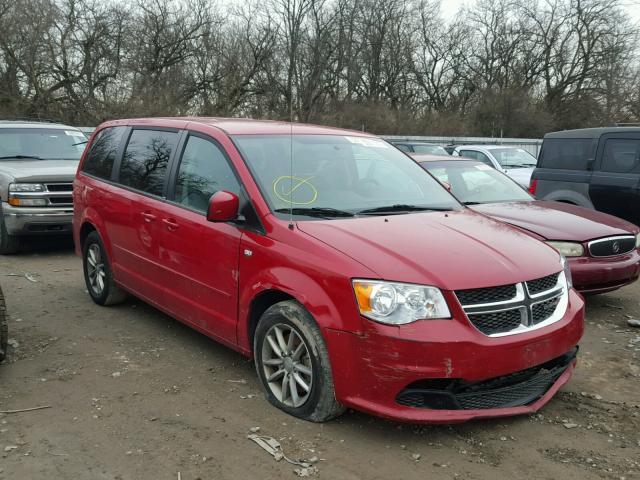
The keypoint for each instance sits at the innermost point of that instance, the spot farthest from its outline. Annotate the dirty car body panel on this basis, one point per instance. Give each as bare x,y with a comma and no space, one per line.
272,253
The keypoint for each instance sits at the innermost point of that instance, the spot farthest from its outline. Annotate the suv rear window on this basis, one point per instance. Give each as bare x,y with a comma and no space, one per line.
100,159
566,153
145,160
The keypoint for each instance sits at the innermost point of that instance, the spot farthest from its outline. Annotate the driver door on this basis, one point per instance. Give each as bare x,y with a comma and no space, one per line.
200,258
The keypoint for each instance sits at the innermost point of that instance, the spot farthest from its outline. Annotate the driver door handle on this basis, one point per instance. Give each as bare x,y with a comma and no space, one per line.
170,223
148,217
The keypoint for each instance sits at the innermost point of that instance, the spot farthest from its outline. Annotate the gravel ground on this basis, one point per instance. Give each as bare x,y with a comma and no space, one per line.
134,394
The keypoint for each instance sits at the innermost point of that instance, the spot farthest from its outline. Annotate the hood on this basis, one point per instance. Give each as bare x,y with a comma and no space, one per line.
40,170
557,221
520,175
450,250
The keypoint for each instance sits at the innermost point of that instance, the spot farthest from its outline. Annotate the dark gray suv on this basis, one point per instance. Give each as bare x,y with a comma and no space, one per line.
597,168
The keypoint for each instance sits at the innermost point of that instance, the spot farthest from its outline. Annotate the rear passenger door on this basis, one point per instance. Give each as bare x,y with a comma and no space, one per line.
201,258
133,218
615,182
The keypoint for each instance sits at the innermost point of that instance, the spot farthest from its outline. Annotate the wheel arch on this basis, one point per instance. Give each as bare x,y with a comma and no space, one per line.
278,284
260,303
91,221
569,196
86,228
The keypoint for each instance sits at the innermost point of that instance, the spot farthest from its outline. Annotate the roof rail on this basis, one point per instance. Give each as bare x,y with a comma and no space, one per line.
627,124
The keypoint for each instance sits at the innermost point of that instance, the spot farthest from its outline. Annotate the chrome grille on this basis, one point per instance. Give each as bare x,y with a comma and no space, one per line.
542,284
543,310
486,295
612,246
59,194
534,304
59,187
498,322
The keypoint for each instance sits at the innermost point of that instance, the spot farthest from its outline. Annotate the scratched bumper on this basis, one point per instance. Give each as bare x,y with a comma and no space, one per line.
370,370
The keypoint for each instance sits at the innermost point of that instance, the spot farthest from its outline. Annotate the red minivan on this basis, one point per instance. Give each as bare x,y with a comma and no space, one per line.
349,274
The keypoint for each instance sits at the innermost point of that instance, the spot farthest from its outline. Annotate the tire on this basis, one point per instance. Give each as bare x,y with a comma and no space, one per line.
9,244
98,275
4,331
318,403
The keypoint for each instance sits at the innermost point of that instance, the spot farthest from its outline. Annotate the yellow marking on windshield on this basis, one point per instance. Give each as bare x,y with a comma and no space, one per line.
295,183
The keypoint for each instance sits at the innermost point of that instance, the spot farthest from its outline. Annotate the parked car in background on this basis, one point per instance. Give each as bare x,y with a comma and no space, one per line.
419,147
350,275
596,168
38,161
4,329
450,148
602,250
515,162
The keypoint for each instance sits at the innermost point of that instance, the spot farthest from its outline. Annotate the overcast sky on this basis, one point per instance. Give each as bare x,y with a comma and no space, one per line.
451,7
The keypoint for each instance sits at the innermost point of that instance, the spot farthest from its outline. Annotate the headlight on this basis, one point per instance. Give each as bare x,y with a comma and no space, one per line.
28,202
567,271
568,249
26,187
399,303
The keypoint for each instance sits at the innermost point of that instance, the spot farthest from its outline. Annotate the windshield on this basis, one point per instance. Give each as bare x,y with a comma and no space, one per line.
474,182
429,149
514,158
41,143
330,172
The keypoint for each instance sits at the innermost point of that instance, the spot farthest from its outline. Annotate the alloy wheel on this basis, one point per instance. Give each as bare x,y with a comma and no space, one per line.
96,269
287,365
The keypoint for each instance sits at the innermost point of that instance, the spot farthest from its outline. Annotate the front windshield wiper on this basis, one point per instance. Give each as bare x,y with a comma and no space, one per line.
326,212
21,157
401,207
79,143
472,203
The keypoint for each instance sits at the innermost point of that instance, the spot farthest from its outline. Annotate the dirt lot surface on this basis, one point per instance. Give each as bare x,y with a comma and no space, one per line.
137,395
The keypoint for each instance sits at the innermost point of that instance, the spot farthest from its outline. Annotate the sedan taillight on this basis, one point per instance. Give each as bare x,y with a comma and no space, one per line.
533,185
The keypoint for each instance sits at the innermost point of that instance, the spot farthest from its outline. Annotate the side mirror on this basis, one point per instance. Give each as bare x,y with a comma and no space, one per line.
223,207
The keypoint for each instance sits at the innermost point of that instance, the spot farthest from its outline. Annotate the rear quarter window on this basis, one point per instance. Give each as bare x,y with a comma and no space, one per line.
102,154
146,159
566,153
621,155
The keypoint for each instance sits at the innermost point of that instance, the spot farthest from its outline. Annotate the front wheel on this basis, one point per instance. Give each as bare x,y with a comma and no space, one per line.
8,243
98,275
293,363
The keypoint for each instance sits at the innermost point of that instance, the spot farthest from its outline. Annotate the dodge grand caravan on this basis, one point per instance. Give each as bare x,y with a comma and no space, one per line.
348,273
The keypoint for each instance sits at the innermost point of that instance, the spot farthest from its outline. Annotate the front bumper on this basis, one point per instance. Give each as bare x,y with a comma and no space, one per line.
37,221
599,275
372,370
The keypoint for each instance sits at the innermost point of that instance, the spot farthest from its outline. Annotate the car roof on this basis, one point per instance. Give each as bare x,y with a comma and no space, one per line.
27,124
244,126
591,132
410,142
428,157
486,147
425,157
